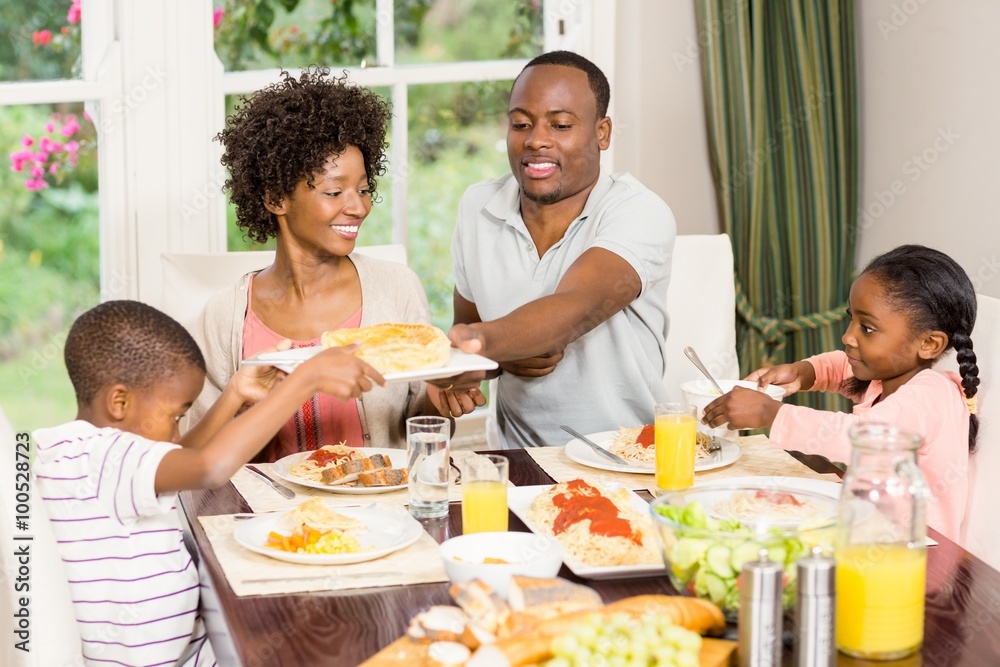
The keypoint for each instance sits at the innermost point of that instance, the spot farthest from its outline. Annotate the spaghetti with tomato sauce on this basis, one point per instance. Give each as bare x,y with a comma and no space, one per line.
596,526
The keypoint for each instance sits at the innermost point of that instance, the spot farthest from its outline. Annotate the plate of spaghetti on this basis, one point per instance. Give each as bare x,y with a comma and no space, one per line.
635,445
606,530
316,534
342,469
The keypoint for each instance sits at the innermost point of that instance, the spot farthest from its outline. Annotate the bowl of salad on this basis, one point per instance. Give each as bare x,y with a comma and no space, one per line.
706,534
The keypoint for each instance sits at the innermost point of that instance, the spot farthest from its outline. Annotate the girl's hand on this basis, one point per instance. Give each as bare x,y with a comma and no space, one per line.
336,371
742,408
790,377
253,383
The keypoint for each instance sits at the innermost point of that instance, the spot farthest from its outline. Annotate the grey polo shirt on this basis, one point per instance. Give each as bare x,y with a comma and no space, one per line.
613,375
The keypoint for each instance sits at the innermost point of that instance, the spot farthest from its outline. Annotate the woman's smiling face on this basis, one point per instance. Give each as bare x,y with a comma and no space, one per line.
324,218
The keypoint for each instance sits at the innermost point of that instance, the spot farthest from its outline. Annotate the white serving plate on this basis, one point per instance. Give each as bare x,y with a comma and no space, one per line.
282,469
388,531
519,499
461,362
579,452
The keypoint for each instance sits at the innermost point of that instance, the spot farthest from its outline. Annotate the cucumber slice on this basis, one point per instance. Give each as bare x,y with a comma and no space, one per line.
718,560
744,552
717,588
688,551
777,554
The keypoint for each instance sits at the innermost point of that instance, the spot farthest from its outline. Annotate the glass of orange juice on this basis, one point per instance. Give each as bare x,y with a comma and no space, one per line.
675,429
484,493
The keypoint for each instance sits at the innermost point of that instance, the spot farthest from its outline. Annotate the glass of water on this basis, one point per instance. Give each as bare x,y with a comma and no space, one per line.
427,441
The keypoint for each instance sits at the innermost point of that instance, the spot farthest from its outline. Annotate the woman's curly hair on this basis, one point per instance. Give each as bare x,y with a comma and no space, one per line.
285,133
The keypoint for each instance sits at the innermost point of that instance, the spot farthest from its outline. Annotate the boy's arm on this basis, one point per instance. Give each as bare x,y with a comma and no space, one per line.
332,371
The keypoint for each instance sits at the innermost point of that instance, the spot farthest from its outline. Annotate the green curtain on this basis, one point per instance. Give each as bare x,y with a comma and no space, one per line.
780,87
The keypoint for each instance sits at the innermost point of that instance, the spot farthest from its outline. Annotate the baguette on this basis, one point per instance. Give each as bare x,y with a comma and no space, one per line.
534,645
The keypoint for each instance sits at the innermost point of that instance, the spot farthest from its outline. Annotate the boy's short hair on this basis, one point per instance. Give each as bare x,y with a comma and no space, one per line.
126,342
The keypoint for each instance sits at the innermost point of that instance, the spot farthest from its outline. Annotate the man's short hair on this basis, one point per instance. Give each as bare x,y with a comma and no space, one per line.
598,82
126,342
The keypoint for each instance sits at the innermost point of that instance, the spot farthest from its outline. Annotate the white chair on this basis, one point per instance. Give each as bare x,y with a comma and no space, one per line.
54,638
189,279
701,303
981,527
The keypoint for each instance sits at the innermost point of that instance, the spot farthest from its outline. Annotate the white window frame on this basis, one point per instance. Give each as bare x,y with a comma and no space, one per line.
156,91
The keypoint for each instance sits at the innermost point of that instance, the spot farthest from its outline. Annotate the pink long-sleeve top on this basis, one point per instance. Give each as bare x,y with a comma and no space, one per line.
931,404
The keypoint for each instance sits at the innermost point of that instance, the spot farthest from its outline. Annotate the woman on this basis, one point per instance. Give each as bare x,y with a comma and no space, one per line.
303,156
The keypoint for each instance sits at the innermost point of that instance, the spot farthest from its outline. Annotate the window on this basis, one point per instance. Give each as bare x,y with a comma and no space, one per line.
154,78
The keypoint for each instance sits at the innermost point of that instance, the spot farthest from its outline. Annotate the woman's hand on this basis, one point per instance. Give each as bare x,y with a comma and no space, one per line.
742,408
790,377
252,383
455,402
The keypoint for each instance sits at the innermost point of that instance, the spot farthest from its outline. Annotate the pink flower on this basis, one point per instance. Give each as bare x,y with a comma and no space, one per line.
36,184
41,37
73,15
37,171
69,129
217,16
56,146
87,116
49,127
40,157
72,147
54,167
27,140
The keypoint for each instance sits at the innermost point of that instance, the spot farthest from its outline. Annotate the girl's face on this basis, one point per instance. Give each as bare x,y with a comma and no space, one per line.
324,219
880,342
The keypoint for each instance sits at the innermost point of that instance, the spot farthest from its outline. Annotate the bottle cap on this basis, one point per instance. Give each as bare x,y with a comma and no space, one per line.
761,578
816,574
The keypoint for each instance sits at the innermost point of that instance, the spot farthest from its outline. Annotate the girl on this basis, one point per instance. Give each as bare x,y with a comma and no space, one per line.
907,308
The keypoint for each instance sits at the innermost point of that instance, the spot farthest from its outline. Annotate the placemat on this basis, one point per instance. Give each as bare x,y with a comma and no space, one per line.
250,573
759,458
262,498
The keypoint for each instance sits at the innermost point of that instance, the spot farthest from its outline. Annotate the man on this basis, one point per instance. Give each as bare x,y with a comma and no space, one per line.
561,269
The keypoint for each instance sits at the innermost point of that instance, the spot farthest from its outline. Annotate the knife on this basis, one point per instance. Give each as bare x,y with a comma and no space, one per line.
280,488
593,445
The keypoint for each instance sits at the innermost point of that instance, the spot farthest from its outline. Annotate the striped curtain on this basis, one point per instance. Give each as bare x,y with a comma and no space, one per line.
781,96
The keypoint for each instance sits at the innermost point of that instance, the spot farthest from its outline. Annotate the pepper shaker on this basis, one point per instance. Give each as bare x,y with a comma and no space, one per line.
761,612
815,611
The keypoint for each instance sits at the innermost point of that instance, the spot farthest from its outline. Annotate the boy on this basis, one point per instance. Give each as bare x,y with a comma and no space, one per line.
109,479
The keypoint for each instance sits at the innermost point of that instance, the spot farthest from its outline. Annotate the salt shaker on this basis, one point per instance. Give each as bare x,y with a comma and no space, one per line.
815,606
761,611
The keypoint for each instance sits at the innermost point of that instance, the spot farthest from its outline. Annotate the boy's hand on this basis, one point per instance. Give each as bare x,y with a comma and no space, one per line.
336,371
252,383
742,408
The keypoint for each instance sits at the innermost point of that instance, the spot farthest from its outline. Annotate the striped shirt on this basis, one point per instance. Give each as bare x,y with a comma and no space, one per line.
133,582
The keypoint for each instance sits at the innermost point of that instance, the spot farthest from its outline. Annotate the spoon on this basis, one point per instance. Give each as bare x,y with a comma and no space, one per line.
693,356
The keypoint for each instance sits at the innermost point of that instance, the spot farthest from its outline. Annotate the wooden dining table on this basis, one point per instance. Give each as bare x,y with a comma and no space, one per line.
345,628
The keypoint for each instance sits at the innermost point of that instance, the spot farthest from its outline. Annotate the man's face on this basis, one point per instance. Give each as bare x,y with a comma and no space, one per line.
554,137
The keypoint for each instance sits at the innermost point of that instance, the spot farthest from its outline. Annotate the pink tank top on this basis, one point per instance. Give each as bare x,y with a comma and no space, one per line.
323,419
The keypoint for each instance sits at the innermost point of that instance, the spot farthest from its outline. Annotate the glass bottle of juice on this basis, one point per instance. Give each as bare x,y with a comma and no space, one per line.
881,546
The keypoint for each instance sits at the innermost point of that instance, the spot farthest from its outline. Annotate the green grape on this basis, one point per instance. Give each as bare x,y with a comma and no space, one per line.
559,662
586,633
565,645
686,659
617,661
689,641
664,654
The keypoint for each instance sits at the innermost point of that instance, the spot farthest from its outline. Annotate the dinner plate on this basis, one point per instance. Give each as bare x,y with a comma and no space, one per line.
579,452
461,362
862,508
282,468
387,531
519,499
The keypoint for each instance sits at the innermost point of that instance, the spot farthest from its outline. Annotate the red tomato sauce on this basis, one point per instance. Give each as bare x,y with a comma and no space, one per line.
582,501
646,437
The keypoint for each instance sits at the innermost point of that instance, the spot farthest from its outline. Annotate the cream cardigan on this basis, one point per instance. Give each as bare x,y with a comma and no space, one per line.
390,292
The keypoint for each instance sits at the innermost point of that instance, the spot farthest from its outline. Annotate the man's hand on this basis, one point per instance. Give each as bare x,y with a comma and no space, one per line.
467,339
534,367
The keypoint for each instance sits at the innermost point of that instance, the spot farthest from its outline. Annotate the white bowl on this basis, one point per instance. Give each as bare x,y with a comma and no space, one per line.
525,554
701,392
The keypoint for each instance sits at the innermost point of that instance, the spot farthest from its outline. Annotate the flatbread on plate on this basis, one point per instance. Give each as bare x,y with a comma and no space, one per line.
394,347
